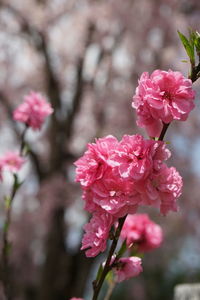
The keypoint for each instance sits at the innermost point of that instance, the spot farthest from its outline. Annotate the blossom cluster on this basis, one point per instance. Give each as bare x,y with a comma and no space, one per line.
117,177
161,98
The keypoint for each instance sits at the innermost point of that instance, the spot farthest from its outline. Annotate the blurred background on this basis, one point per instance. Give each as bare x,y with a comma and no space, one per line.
86,57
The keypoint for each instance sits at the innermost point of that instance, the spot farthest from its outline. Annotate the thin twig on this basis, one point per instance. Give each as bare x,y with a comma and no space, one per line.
5,276
164,129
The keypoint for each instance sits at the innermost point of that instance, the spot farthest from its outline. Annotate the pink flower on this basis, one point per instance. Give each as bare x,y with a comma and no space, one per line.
127,267
135,157
96,233
140,231
162,97
115,195
93,164
33,111
12,161
162,189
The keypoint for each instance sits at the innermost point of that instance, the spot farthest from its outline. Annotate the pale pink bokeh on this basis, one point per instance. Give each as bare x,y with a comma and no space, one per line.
141,232
128,267
33,111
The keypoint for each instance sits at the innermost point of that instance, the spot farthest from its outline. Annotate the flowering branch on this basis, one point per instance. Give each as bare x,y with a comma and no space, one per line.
32,113
118,176
6,245
97,284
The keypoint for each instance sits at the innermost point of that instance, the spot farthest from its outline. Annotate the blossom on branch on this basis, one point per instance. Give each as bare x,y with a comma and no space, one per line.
12,161
96,234
118,177
162,97
127,267
33,111
138,230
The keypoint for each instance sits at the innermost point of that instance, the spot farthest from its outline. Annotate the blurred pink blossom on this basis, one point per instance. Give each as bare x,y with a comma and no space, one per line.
12,161
162,97
33,110
74,298
127,267
96,233
140,231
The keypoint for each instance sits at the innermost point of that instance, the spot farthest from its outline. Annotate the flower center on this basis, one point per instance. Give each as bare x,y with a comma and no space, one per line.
168,96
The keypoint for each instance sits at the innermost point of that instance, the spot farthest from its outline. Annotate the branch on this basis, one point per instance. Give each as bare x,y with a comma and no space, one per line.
34,157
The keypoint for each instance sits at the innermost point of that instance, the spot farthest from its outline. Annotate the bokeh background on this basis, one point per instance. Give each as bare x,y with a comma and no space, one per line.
86,57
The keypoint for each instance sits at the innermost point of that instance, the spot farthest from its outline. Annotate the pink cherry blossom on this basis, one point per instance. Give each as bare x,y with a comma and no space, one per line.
162,189
127,267
12,161
96,233
93,164
119,176
162,97
33,111
115,195
135,157
140,231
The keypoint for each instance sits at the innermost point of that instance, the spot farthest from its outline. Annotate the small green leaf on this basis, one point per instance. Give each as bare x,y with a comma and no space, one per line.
17,183
184,61
188,45
110,277
7,201
197,42
5,227
122,250
100,270
26,149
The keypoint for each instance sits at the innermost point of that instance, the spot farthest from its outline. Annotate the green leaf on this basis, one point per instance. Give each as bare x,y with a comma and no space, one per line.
110,277
7,201
5,227
26,149
188,45
17,183
100,270
197,42
184,61
122,250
